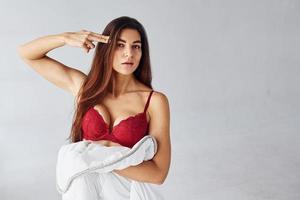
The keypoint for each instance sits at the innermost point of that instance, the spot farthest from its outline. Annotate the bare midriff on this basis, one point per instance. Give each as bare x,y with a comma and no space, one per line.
107,143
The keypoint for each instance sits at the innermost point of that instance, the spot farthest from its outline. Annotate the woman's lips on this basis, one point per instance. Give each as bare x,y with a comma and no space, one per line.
127,64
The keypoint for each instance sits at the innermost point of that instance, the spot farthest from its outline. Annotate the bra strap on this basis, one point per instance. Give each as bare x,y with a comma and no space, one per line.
147,104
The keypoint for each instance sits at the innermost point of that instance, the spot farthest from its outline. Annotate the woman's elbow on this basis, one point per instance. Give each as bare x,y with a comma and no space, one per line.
161,179
160,182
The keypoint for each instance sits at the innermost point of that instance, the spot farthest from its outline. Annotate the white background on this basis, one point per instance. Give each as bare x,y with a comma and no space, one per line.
230,70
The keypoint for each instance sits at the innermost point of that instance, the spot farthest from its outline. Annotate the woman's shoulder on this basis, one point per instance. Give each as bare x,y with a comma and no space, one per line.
159,102
157,97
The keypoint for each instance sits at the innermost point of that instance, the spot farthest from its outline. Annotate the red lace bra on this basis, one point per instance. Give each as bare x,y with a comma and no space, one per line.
127,132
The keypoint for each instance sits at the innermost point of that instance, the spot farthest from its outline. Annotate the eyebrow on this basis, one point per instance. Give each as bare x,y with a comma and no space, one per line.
137,41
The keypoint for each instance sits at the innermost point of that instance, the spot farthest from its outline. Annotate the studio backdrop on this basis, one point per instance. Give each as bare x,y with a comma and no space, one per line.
230,70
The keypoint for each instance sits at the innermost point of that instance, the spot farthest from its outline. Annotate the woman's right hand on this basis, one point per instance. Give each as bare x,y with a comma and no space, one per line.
84,39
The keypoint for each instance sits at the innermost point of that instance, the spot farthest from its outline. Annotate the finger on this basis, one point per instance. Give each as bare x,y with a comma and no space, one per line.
84,45
85,48
98,37
104,38
94,38
89,44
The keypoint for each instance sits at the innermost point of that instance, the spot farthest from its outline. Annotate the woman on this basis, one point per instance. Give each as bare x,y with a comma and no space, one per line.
116,97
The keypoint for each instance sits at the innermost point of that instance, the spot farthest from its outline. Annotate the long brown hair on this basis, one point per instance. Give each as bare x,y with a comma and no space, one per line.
99,79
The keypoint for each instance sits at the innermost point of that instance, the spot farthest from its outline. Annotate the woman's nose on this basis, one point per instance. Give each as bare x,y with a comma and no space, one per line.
128,53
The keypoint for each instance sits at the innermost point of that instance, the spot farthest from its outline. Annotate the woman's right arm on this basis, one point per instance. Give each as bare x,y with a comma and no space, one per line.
34,53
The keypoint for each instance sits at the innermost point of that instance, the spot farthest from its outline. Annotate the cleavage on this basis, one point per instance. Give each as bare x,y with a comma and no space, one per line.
106,116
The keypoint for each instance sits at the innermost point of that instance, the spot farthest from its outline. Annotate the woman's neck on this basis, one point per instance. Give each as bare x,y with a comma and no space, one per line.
122,84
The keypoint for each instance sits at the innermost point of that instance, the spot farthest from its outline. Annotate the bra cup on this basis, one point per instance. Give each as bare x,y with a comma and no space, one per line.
102,110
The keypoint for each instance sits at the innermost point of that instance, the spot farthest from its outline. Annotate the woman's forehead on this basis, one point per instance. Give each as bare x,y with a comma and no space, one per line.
130,35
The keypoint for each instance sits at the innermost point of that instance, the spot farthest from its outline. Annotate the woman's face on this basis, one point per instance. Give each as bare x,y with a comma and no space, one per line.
128,52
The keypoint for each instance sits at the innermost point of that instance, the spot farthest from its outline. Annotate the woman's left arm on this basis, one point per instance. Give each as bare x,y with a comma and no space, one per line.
155,170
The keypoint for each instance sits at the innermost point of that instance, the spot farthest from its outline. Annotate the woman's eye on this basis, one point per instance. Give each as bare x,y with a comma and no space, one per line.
136,47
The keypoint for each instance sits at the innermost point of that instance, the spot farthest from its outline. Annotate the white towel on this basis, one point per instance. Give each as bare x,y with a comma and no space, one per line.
84,171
